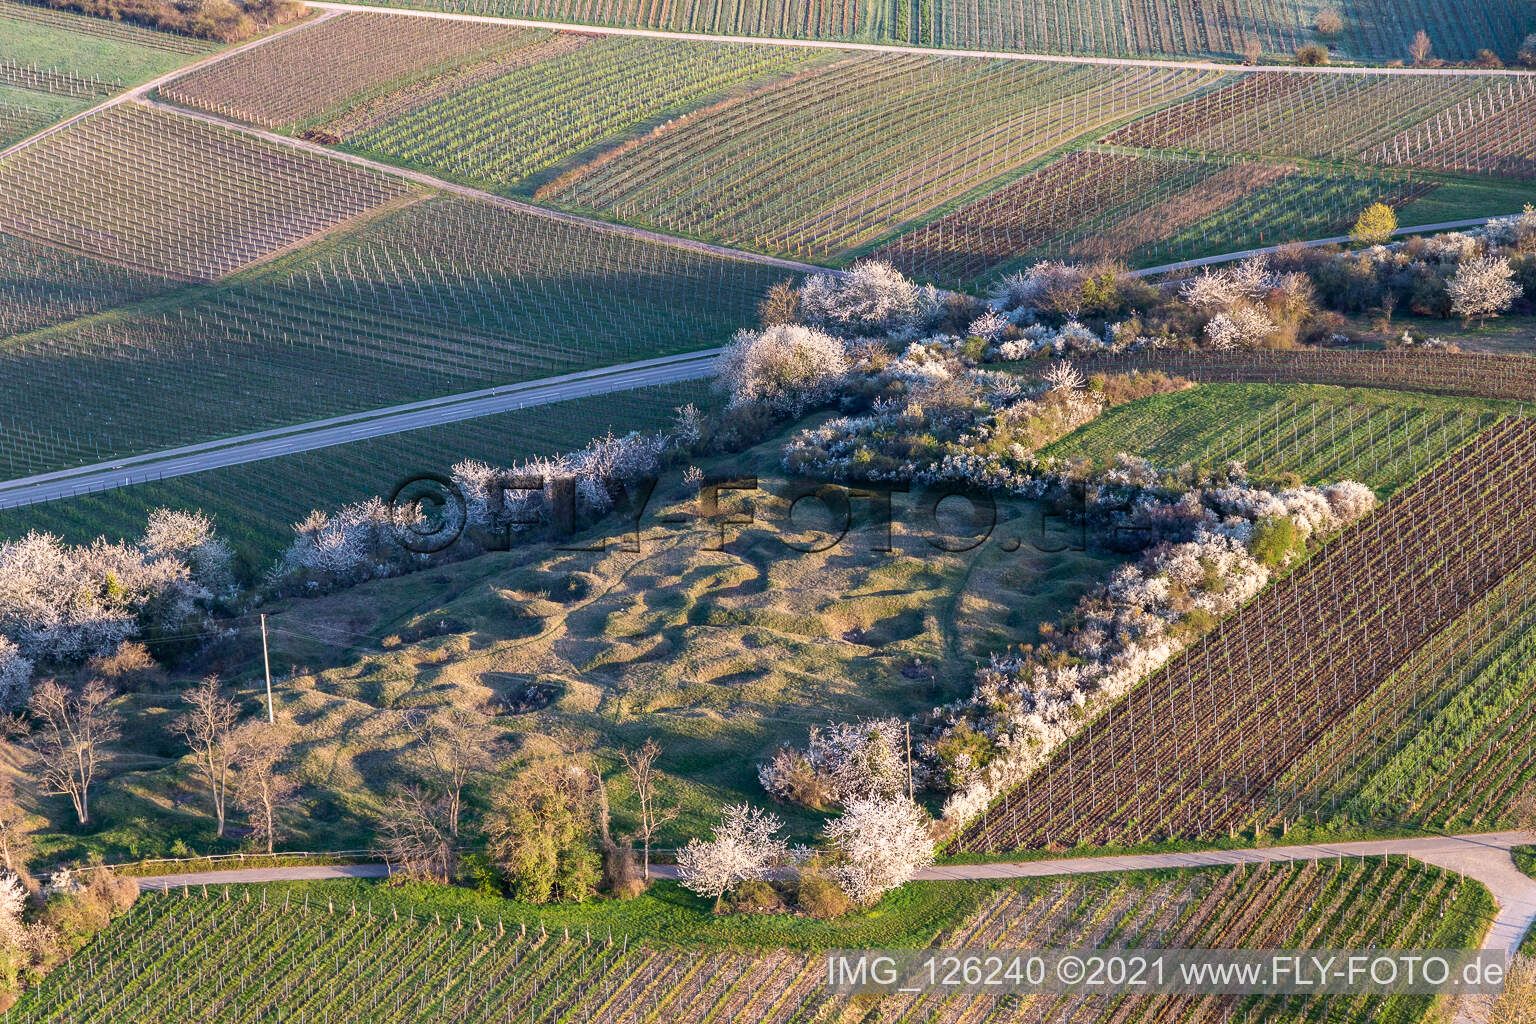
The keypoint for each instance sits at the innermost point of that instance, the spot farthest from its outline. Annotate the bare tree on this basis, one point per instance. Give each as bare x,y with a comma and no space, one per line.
453,747
415,837
15,840
1420,48
642,771
261,790
1253,50
209,729
71,737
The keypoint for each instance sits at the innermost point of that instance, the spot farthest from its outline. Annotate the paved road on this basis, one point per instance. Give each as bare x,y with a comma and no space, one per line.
1484,857
1481,856
1229,257
250,876
303,437
925,51
155,83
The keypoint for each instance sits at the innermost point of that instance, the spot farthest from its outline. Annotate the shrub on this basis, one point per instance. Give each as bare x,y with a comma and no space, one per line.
1329,22
1488,59
1376,224
1527,53
1276,540
219,20
819,897
757,897
787,368
780,306
872,297
1312,55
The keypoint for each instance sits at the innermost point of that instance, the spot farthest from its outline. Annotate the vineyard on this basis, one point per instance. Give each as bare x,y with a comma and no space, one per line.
1321,434
1195,750
1374,30
168,195
307,73
498,132
255,504
1143,208
442,296
1447,742
793,19
1472,374
24,112
351,952
41,285
1297,115
822,163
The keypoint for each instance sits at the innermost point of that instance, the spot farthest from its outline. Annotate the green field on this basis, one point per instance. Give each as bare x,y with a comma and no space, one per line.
88,49
255,505
1382,438
347,951
24,112
443,296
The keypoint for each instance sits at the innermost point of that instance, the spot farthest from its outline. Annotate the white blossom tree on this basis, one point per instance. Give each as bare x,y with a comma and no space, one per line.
746,846
189,537
873,296
788,368
880,843
1483,288
15,677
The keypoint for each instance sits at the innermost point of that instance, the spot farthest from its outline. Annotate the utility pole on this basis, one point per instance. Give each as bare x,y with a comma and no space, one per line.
266,664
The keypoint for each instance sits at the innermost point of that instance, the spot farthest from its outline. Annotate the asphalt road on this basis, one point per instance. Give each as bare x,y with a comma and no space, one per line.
304,437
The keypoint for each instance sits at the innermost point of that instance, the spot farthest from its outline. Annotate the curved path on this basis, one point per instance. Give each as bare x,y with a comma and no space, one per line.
1484,857
304,437
923,51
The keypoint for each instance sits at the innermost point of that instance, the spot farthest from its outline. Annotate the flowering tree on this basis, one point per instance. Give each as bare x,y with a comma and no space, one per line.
1483,288
15,677
843,762
1376,225
745,846
787,368
189,538
65,604
873,296
1064,378
880,843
